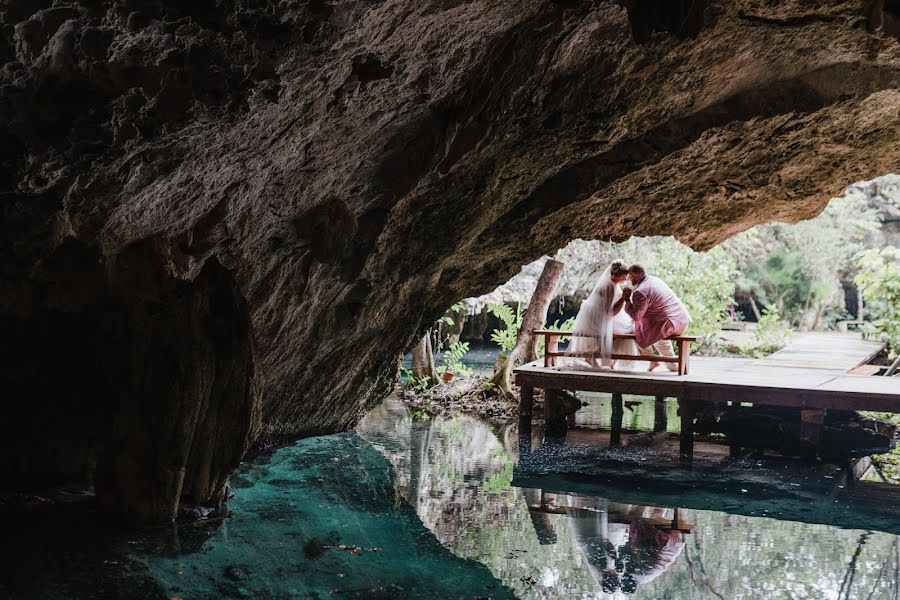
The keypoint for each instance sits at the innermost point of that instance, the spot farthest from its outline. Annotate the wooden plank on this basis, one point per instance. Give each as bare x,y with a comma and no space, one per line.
873,386
826,350
865,370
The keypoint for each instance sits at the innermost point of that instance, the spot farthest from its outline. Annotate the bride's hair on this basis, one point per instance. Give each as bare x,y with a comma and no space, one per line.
617,268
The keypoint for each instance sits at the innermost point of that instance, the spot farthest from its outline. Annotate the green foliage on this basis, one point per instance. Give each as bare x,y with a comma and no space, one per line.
879,281
512,321
770,332
448,320
418,385
501,481
419,415
453,360
799,267
770,335
703,280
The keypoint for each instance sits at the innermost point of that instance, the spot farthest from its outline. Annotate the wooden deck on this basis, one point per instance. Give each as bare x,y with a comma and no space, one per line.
810,374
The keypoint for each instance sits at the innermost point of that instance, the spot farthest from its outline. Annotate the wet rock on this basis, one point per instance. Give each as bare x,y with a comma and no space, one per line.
226,220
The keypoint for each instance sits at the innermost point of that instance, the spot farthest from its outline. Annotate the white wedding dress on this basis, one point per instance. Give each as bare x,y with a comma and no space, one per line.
595,319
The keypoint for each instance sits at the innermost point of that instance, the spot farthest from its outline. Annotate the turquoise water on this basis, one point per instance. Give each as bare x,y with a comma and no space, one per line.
442,508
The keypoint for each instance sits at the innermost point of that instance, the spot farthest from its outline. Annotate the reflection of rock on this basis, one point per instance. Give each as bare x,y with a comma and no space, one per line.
455,472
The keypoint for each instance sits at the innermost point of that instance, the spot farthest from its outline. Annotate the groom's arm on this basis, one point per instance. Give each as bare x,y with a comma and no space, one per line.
636,306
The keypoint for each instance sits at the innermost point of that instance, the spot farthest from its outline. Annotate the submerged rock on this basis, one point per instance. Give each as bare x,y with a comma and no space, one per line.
227,219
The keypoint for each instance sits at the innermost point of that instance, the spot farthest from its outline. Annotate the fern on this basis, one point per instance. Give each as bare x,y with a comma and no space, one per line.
512,321
453,360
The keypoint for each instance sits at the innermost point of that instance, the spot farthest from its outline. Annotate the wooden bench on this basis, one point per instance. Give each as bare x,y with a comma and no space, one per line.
682,344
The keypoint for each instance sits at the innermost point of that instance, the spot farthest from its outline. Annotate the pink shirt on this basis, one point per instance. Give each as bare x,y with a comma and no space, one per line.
657,312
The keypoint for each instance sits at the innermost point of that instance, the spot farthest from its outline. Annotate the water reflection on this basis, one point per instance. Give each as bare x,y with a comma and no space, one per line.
440,509
543,541
623,545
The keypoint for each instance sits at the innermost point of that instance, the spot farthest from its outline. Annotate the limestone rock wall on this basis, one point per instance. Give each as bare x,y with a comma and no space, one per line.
227,218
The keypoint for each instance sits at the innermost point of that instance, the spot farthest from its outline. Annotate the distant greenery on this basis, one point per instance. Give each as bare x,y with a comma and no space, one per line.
499,482
799,267
879,280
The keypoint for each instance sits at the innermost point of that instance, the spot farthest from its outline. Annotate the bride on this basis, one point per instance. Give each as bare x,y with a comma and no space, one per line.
600,316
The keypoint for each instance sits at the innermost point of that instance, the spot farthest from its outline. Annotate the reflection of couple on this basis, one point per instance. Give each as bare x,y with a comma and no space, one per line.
649,310
622,546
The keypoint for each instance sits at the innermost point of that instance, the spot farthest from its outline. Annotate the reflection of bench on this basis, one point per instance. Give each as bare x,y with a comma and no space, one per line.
681,342
660,523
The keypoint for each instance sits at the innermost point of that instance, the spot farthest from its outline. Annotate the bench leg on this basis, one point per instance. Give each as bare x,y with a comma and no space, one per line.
684,357
618,412
551,345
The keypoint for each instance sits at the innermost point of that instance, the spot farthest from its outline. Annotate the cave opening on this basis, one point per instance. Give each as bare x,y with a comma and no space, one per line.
222,226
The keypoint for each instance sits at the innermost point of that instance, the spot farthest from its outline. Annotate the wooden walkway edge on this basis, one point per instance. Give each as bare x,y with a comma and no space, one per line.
811,375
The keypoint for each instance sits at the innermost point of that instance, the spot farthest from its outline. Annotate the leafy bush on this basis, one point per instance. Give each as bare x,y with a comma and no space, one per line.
879,281
416,384
770,335
453,357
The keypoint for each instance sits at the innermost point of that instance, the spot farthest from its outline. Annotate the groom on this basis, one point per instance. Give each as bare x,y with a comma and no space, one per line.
657,313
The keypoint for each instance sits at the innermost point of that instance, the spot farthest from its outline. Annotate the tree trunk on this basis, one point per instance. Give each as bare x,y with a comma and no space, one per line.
860,313
755,308
525,349
423,359
455,330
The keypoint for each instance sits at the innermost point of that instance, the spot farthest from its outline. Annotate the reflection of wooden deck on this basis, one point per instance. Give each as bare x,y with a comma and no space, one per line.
811,374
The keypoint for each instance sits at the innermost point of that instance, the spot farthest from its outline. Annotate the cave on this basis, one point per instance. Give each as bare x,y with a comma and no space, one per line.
223,222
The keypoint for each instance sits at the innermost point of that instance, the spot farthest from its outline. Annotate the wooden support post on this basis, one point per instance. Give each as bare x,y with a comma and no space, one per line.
618,412
686,410
554,416
660,418
812,422
733,450
526,401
